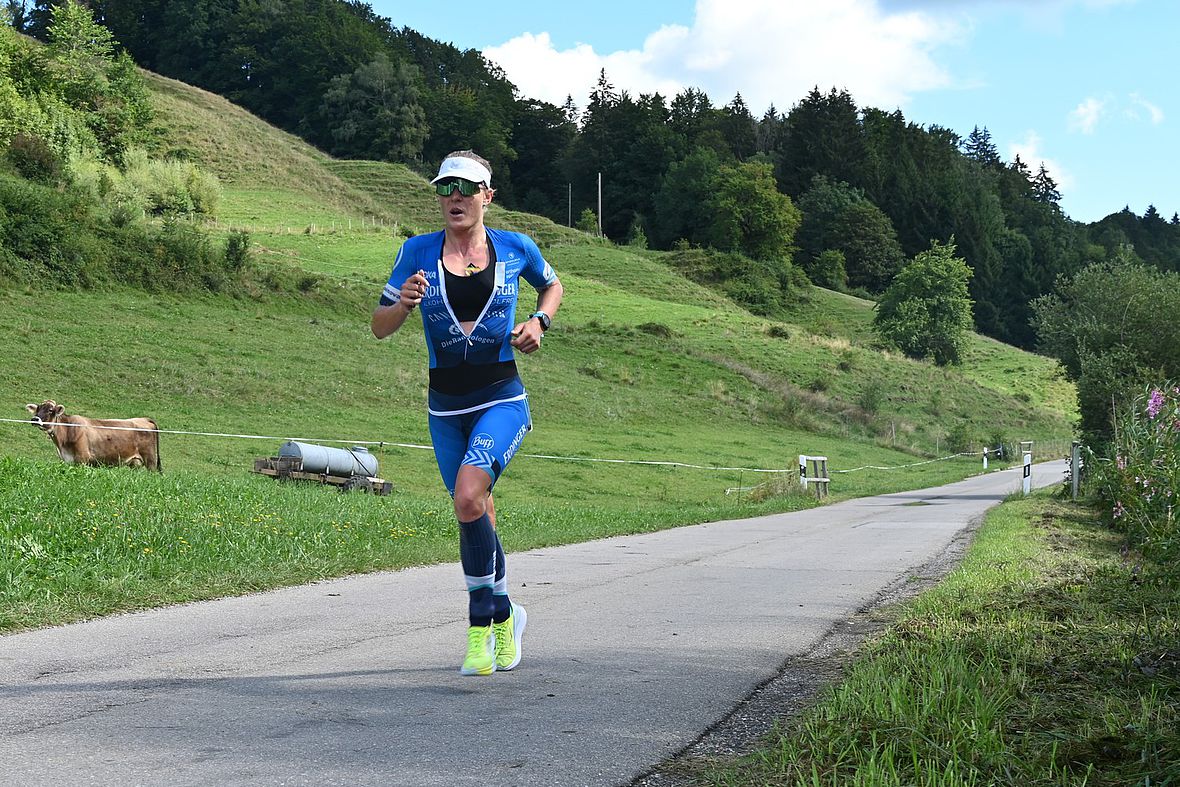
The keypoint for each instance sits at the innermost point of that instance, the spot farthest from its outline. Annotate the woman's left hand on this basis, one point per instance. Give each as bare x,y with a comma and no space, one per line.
526,336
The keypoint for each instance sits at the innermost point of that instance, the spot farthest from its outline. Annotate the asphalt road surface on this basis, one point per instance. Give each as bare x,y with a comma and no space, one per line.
635,646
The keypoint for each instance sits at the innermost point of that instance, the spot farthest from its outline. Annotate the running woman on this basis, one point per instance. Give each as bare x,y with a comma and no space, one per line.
466,279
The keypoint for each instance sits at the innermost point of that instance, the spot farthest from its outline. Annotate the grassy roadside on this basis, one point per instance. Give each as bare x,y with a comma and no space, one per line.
1047,658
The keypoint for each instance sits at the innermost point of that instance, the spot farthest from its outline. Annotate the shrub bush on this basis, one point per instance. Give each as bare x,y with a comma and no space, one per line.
828,270
1138,482
51,232
168,187
147,186
871,397
1108,326
34,159
237,250
587,221
55,238
961,438
999,443
765,288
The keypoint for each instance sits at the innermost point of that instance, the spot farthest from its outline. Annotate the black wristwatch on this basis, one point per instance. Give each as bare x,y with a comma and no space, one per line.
546,321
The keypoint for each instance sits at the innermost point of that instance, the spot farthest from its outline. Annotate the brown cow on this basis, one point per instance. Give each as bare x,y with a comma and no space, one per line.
99,441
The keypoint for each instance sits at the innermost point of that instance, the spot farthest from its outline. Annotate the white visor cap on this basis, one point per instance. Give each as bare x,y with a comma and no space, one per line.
466,168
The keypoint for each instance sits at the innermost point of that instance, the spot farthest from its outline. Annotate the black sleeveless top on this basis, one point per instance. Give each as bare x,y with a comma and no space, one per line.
469,294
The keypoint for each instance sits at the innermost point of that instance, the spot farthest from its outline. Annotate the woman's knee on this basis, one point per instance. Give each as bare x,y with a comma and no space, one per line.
471,494
469,509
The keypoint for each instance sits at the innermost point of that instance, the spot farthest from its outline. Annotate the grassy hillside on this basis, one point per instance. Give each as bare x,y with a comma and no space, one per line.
642,365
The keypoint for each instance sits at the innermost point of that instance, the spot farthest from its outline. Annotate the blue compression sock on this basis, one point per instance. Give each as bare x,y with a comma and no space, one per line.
478,553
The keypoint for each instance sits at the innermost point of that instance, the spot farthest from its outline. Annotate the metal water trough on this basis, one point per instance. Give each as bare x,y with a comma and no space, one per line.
344,468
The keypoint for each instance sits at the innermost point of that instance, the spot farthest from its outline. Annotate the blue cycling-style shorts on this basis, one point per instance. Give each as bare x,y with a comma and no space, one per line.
483,429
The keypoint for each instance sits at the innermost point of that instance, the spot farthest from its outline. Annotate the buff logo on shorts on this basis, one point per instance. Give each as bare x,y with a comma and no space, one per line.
483,441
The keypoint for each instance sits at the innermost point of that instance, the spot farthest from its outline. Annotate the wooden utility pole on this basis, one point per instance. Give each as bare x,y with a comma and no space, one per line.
600,204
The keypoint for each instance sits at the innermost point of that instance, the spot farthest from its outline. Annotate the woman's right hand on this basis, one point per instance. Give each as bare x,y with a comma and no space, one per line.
413,290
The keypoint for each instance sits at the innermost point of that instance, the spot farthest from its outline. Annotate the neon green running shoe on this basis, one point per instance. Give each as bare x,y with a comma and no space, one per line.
508,637
481,650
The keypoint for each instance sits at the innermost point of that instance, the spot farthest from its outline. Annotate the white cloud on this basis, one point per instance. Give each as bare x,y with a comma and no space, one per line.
1156,114
1087,114
1029,151
772,51
543,72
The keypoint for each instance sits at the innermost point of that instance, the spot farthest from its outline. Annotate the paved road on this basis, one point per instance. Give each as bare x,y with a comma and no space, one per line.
635,646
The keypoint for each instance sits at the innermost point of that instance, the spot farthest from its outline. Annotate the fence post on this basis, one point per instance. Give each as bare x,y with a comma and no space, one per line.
1075,467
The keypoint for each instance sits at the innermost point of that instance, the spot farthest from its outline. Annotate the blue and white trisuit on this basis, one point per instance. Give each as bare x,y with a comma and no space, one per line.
479,411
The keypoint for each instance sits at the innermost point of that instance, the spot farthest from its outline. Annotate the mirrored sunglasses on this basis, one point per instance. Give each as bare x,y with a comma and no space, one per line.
444,188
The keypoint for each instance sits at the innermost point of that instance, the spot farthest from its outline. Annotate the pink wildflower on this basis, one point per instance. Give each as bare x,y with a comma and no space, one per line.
1118,509
1155,403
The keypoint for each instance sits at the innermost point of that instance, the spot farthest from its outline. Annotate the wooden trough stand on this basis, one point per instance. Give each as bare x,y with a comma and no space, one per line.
291,467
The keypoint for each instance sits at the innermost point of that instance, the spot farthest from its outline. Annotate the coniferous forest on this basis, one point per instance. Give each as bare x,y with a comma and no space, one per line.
865,190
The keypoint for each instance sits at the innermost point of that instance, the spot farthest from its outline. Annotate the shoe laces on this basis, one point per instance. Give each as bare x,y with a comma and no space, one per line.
503,633
477,637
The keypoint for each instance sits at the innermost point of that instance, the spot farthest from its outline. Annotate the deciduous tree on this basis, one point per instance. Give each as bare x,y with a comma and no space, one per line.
373,113
926,311
1112,327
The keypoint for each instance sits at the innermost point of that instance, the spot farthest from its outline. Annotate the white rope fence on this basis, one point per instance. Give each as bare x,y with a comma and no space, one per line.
55,424
912,464
384,443
556,457
740,489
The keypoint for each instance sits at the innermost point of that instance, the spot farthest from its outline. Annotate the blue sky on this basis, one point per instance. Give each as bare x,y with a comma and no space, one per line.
1088,87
